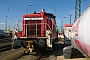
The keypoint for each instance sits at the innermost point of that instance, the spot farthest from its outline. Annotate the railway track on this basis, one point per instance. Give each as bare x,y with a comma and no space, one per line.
41,55
5,44
2,40
4,48
11,54
45,54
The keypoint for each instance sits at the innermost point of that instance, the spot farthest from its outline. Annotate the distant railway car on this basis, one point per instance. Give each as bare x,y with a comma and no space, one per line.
61,36
67,34
1,33
38,29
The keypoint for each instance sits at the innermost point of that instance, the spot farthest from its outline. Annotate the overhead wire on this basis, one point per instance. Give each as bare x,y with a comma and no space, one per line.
48,4
7,4
13,8
19,5
2,10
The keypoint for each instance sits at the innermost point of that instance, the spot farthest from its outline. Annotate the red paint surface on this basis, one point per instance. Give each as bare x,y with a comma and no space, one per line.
68,25
61,34
77,25
29,26
76,34
83,46
31,15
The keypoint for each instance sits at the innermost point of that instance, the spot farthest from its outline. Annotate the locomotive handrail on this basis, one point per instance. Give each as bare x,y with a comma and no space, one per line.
36,27
38,23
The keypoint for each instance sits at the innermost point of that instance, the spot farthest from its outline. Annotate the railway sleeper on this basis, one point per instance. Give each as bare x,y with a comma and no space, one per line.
3,48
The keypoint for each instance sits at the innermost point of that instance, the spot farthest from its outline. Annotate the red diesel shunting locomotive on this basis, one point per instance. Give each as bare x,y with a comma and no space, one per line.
40,28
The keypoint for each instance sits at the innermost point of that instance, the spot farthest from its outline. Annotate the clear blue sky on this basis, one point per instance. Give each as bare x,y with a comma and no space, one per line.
15,9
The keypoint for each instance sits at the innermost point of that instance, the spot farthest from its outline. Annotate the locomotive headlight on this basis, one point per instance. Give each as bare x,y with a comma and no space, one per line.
48,32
